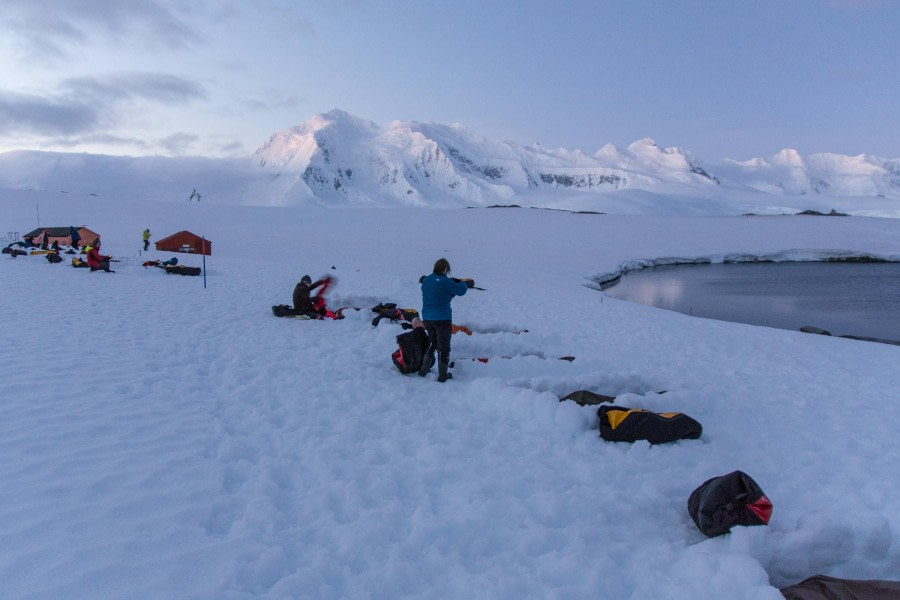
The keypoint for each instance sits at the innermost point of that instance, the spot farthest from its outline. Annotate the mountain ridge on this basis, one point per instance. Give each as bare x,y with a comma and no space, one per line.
338,159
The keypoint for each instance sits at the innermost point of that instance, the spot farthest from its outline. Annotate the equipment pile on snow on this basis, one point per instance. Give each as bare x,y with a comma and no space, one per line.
722,502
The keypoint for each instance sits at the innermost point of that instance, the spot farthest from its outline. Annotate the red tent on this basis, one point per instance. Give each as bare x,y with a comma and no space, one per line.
185,241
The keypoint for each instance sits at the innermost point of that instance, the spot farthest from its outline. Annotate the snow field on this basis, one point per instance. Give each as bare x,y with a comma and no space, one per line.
166,440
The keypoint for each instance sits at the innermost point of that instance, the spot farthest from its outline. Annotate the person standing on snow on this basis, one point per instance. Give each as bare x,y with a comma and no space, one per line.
73,235
438,289
146,239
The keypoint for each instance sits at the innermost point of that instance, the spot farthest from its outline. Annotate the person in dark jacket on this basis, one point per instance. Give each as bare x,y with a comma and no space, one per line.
303,302
438,289
73,233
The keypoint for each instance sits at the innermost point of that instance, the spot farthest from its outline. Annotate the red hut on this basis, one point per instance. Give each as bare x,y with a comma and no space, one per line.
185,241
61,235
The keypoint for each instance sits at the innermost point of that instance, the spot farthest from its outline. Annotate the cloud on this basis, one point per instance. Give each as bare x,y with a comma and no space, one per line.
52,29
273,101
97,140
23,113
286,16
232,148
179,143
119,87
90,105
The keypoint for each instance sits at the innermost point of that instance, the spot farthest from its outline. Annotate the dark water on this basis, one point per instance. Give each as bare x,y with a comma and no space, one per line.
843,298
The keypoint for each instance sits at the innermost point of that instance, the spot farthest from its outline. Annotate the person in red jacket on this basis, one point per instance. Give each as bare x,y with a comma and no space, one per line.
97,261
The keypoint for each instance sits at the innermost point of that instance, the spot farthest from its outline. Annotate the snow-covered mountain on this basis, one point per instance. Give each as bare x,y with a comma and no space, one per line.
337,159
826,174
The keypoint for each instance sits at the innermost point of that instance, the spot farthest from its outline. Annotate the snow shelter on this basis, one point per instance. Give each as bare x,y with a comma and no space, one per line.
61,235
185,241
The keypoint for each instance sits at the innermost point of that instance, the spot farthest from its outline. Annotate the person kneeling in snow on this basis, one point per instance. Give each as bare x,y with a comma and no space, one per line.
313,307
438,289
97,261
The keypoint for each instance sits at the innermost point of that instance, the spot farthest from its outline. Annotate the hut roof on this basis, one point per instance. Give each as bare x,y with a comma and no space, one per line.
54,231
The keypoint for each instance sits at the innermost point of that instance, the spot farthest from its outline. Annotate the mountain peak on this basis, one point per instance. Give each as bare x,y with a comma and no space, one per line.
788,156
643,144
339,120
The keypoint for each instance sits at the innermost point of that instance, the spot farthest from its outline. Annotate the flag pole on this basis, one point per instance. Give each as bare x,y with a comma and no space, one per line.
203,251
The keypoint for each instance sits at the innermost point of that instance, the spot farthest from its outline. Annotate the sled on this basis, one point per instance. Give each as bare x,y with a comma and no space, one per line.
182,270
485,359
823,587
587,398
283,310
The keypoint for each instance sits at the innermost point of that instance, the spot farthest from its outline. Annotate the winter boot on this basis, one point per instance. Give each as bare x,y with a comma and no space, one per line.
427,363
443,375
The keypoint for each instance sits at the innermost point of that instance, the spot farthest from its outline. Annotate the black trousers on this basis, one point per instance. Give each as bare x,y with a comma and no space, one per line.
146,244
439,339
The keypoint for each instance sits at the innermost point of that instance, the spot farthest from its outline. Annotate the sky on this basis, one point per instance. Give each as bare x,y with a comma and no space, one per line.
722,79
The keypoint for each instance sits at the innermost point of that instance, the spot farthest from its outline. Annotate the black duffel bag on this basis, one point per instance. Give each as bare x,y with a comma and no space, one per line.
728,500
411,349
620,424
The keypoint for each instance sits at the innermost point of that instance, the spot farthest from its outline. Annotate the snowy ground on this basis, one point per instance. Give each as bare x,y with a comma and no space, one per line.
162,440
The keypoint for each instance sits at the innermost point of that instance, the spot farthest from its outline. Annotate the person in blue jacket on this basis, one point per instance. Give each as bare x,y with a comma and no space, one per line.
438,289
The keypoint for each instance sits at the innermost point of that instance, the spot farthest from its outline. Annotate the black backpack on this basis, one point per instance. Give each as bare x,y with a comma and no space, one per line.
620,424
411,349
722,502
389,310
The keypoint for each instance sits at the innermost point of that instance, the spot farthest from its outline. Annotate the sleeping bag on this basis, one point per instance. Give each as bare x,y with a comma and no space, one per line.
619,424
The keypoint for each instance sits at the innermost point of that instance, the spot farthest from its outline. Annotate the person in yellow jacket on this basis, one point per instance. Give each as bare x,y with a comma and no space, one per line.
146,239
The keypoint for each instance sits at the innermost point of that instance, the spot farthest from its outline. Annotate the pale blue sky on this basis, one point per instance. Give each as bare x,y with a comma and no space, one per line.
720,78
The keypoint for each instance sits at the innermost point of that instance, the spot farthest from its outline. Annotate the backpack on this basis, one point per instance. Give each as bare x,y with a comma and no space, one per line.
53,257
620,424
411,348
722,502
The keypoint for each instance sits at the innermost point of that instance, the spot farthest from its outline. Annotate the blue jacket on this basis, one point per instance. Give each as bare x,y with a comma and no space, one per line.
437,292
